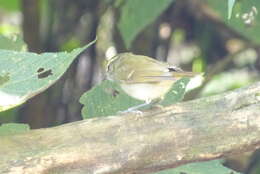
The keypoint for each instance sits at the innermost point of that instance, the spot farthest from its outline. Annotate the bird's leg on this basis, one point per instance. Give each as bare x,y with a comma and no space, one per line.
148,104
137,107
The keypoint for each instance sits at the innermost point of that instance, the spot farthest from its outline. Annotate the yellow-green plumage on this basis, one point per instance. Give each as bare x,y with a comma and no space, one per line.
142,77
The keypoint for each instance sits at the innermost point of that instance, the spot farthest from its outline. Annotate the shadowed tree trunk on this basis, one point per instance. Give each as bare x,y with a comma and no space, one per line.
66,20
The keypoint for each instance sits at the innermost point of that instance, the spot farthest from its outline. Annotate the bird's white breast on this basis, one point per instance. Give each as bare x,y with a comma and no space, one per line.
147,91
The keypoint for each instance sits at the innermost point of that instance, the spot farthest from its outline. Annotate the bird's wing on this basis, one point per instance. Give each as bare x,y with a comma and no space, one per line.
141,69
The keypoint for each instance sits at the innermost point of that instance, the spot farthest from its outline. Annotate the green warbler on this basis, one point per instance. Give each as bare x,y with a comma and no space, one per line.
142,77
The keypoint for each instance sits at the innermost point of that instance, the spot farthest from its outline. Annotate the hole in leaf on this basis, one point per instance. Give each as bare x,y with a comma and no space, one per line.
40,70
115,93
112,92
5,78
44,74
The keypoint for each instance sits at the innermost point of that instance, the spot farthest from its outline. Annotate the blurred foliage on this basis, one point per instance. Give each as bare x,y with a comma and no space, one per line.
178,36
136,15
209,167
13,128
228,81
199,65
244,19
10,5
9,116
9,30
231,4
12,42
71,44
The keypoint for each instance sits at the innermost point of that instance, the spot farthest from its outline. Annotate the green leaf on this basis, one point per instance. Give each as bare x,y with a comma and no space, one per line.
9,116
245,17
176,93
209,167
231,4
13,128
12,42
108,98
9,30
71,44
136,15
24,74
229,81
11,5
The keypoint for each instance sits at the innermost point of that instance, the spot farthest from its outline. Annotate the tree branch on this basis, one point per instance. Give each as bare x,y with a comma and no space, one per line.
160,138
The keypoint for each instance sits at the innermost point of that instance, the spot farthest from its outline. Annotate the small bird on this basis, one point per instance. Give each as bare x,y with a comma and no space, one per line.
142,77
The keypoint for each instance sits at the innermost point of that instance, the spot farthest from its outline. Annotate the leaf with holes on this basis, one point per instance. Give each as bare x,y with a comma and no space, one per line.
25,74
108,98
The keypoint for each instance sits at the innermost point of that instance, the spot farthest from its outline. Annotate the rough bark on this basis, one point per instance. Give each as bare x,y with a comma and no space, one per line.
160,138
